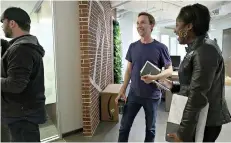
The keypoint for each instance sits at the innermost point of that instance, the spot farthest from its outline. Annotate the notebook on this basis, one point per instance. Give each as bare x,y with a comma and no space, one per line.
150,68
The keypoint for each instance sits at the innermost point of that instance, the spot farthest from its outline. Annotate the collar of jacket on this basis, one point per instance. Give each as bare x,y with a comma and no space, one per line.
13,40
199,39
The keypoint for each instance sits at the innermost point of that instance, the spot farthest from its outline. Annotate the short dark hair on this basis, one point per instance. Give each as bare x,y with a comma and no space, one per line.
150,17
19,16
198,15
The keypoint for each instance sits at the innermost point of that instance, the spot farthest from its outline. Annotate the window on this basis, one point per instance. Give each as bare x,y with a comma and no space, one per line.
156,37
42,28
173,46
181,51
165,40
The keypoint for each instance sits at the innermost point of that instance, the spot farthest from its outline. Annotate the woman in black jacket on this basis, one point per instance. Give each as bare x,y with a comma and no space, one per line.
201,76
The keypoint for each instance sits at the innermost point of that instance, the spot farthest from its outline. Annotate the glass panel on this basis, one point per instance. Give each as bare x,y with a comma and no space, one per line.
226,51
42,27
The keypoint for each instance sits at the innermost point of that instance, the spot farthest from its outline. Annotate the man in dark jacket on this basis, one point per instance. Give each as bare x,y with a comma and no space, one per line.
4,129
22,78
4,46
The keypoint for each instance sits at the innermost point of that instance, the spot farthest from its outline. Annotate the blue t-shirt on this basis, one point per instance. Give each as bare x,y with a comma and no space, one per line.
138,53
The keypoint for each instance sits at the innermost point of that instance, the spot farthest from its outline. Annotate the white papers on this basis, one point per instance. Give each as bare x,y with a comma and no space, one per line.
176,112
177,108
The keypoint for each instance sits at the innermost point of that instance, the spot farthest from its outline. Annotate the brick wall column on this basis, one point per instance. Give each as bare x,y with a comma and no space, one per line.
85,64
96,58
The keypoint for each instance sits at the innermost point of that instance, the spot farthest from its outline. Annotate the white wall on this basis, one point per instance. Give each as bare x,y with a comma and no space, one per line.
218,35
136,35
68,69
219,26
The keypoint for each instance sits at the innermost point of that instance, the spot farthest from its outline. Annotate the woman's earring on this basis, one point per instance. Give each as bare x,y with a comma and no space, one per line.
183,33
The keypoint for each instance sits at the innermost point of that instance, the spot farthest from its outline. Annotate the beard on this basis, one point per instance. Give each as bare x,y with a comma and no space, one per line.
8,32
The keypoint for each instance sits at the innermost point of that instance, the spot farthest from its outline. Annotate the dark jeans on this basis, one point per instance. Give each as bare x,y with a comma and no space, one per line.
211,133
24,131
131,108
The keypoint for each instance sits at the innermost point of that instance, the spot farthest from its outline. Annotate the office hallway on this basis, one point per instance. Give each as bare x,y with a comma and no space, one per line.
108,131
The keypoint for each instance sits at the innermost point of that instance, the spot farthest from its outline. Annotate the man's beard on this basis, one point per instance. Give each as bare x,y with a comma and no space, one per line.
8,32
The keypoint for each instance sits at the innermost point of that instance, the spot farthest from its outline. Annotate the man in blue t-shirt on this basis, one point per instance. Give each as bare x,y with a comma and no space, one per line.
143,93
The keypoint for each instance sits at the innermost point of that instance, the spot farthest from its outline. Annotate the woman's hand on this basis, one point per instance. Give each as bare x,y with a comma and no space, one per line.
148,78
175,137
167,83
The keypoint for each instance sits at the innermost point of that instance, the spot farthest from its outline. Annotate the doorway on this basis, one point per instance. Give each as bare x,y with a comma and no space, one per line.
226,51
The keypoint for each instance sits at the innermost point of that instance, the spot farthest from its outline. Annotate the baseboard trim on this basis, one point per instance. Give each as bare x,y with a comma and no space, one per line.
72,132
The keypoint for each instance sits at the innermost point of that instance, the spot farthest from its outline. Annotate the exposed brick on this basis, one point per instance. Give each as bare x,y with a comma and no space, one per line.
87,123
83,6
85,65
84,27
83,23
84,19
85,36
83,32
86,119
88,46
83,44
86,99
85,2
87,133
86,94
87,127
83,15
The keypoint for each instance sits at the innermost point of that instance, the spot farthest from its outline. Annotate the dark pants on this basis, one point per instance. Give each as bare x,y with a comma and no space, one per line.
5,134
24,131
211,133
131,108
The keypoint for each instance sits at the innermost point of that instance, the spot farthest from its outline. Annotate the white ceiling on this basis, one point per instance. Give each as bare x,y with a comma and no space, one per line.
166,11
28,6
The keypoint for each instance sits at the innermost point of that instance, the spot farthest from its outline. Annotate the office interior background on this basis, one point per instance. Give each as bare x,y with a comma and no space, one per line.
78,39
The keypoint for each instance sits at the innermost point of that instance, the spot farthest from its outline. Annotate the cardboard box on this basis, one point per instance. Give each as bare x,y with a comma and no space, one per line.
109,110
228,81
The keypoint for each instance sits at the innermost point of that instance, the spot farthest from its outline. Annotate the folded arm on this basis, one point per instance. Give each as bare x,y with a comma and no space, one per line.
20,65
